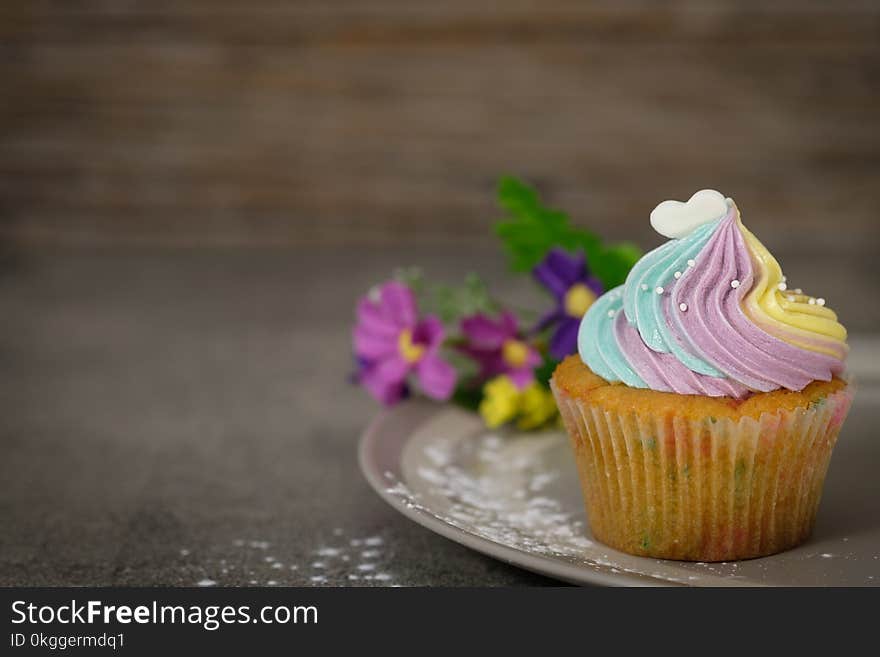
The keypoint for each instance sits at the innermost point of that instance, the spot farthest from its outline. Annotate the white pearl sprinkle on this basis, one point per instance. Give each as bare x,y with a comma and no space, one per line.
799,291
784,279
611,313
782,287
691,263
812,301
677,274
682,307
659,290
734,283
820,301
790,297
644,287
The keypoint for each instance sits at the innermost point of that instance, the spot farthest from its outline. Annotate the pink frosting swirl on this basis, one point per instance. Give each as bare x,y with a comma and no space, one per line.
716,328
709,314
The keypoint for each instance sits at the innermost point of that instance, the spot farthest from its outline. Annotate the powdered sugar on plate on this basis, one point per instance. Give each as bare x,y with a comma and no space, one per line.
508,489
501,488
445,470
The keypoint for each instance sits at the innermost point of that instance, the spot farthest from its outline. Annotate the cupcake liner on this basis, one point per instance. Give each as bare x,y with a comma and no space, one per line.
703,489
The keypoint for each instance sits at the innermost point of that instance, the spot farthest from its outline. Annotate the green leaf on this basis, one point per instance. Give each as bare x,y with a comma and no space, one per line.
531,229
611,264
544,371
412,277
468,394
516,196
452,302
449,302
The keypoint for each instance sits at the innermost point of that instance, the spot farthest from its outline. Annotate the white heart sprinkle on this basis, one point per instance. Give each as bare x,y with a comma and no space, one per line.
674,219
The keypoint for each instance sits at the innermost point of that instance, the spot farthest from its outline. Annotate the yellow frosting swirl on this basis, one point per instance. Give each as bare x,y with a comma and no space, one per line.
797,318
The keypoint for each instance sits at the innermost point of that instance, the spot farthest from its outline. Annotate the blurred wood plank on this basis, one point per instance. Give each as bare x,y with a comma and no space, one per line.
358,22
380,122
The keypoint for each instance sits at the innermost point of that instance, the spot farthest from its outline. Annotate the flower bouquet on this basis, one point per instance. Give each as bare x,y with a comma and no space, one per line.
461,345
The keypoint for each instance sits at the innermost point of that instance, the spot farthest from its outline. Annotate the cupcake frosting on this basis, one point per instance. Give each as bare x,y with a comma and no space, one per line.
710,313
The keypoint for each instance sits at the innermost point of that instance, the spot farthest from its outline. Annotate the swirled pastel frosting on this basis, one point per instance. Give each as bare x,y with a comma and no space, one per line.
710,314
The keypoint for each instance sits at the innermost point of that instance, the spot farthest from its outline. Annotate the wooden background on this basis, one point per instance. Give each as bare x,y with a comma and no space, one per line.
268,121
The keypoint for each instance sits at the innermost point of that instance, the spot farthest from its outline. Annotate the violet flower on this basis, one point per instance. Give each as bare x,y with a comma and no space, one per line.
391,341
567,277
498,349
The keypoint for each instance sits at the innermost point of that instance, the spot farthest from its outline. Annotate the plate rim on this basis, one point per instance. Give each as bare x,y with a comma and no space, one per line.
552,568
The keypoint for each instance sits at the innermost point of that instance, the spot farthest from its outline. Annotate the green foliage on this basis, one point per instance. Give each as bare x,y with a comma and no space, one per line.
413,278
468,395
452,302
611,264
449,302
544,371
531,229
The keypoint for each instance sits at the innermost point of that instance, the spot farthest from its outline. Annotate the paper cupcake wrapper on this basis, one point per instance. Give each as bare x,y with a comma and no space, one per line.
674,487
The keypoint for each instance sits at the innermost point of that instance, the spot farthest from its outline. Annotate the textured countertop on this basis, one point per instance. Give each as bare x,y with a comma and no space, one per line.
180,416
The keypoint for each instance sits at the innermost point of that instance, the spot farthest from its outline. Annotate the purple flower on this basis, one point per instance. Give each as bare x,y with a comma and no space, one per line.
496,346
567,277
390,341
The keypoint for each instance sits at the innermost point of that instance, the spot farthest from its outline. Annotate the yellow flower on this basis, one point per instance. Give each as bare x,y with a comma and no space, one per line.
536,407
500,401
504,402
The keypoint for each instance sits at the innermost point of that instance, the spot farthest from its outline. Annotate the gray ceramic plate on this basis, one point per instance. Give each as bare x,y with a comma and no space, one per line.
516,497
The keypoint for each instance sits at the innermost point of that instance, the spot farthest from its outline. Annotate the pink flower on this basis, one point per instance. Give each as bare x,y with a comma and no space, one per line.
390,341
496,346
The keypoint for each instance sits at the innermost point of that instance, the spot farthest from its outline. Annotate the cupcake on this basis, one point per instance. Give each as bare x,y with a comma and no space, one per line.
706,396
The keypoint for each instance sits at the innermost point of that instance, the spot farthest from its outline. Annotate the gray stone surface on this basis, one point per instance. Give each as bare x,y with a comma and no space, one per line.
177,416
